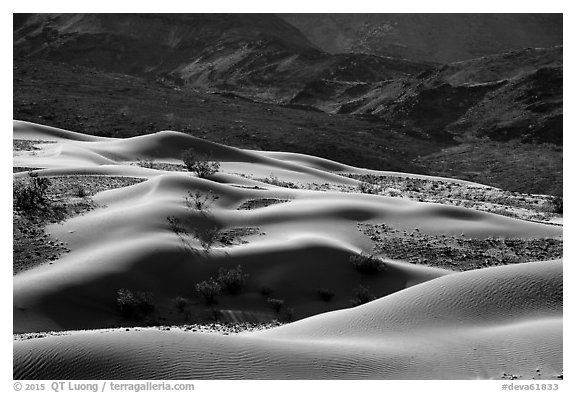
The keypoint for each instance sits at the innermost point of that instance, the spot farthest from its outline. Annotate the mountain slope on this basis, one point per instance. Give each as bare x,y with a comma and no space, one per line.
144,43
258,55
481,107
431,37
516,95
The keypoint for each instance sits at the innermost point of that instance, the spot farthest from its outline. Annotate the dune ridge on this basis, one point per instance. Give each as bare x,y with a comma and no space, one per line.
169,145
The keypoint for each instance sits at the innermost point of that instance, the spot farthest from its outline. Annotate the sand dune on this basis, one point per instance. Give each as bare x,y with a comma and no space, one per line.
427,323
169,145
476,298
474,354
441,329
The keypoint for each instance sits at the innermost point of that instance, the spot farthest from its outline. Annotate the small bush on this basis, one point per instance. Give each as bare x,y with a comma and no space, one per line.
147,163
325,294
207,236
200,163
415,184
363,295
367,188
180,303
175,225
233,280
31,194
557,203
134,305
367,264
81,192
280,183
276,304
209,289
199,201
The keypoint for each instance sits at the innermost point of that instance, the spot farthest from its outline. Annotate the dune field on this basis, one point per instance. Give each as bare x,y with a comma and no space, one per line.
460,292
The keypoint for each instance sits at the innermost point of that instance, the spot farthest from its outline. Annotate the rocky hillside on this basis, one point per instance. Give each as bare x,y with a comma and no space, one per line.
258,56
515,95
443,38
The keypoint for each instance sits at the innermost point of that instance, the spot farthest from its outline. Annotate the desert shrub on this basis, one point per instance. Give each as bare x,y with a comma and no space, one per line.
367,188
362,295
200,163
209,289
180,303
414,185
199,201
279,306
81,192
147,163
280,183
207,236
134,305
31,194
325,294
232,280
367,264
175,225
276,304
557,203
180,231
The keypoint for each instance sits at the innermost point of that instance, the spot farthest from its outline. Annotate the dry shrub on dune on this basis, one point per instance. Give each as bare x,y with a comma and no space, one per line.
207,236
232,280
134,305
557,203
283,312
362,296
199,201
180,303
209,289
200,163
31,194
367,264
